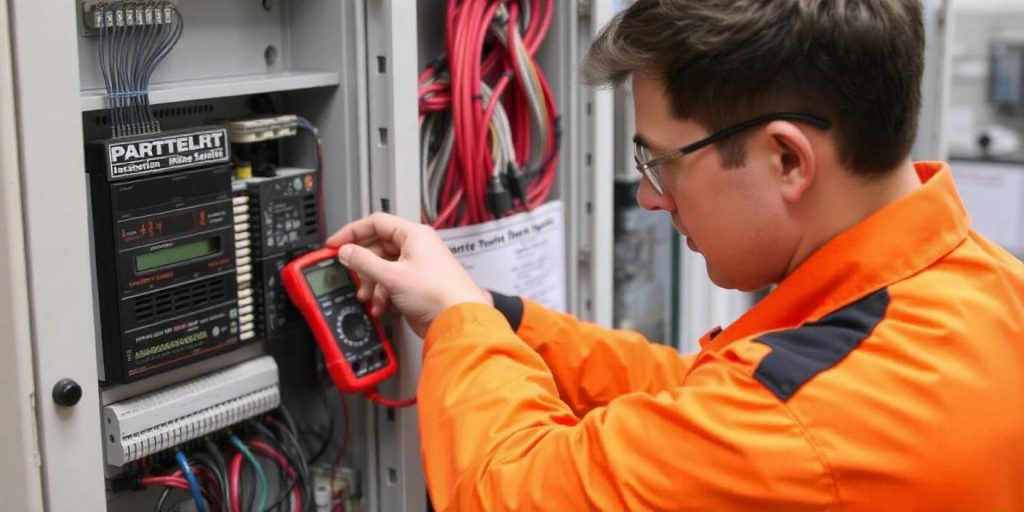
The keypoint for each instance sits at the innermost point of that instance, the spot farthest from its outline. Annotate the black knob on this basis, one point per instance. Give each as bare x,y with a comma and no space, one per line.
67,392
354,327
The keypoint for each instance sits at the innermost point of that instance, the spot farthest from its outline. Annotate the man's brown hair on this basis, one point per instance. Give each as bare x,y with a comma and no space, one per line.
857,63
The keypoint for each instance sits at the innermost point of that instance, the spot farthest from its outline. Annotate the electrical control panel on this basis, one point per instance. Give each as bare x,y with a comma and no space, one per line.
1006,74
164,239
192,150
283,211
283,214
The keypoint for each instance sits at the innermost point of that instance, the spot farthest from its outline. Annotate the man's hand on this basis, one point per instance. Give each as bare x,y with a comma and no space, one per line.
407,264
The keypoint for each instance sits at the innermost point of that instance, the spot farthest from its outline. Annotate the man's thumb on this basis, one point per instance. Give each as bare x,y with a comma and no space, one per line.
364,261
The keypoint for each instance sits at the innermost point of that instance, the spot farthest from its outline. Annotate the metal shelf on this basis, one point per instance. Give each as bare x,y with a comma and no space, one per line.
170,92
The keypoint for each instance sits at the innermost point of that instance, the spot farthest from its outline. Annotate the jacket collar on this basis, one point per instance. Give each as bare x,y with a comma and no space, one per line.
890,245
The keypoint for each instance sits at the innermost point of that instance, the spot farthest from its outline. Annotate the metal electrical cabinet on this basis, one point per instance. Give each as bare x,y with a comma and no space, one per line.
348,66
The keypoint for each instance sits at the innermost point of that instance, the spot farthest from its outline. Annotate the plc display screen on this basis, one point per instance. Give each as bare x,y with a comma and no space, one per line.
327,279
177,254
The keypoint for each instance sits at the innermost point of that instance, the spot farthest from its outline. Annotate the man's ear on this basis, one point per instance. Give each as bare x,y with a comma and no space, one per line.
793,159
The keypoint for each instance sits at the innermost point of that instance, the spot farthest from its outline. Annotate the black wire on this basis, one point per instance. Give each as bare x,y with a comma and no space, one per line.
330,430
205,459
247,481
210,449
291,435
293,452
284,486
284,483
211,453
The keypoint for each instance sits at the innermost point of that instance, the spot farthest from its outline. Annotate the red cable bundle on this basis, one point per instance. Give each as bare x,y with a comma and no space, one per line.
489,123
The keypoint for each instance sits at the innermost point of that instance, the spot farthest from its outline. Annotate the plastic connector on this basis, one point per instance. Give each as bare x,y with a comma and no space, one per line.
498,201
517,183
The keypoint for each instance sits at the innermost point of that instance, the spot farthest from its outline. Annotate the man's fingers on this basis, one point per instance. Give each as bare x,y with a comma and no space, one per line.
379,303
366,263
366,286
388,228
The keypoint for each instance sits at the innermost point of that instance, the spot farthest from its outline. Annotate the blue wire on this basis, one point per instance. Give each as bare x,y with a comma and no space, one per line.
193,485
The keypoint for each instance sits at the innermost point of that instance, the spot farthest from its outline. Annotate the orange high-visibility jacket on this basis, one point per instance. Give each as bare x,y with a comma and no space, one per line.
886,373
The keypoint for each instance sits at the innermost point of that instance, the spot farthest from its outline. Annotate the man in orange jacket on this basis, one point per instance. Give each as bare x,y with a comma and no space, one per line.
885,371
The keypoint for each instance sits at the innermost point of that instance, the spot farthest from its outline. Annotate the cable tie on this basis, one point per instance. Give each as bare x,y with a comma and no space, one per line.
126,94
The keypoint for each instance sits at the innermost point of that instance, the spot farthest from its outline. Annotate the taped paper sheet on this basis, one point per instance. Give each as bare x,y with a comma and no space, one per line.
993,194
519,255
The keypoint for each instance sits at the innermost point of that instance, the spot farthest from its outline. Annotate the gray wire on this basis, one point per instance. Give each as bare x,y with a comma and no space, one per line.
149,36
506,151
535,100
101,48
437,167
135,35
441,164
128,56
433,170
115,77
509,37
173,34
426,130
122,66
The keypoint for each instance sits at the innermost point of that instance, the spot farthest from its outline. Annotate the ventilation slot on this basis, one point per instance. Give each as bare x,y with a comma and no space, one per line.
309,215
183,298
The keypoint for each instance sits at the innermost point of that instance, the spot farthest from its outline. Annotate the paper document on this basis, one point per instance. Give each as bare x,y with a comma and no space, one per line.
519,255
993,194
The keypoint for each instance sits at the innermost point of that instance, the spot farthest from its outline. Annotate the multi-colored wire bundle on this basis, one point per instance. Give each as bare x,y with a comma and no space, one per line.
489,127
213,470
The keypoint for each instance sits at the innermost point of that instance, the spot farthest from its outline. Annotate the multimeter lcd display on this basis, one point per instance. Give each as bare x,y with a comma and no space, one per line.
177,254
326,280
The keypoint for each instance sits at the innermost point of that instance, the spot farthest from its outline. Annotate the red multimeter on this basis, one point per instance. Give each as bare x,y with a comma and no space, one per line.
356,353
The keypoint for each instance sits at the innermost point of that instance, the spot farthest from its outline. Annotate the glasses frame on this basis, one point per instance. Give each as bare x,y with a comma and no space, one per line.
651,168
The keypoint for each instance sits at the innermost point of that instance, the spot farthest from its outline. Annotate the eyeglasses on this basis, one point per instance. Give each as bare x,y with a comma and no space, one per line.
650,166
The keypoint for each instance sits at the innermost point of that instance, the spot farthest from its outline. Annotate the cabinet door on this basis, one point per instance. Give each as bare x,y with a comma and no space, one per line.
56,236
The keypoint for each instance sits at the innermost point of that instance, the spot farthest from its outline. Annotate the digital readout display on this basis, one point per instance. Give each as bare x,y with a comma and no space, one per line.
325,280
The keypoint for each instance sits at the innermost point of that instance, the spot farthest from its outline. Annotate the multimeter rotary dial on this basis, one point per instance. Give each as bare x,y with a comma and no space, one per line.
353,326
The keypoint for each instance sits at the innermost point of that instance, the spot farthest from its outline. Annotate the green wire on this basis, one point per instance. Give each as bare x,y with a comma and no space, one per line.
264,487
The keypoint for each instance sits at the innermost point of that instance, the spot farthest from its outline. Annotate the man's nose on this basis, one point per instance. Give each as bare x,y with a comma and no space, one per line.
650,199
